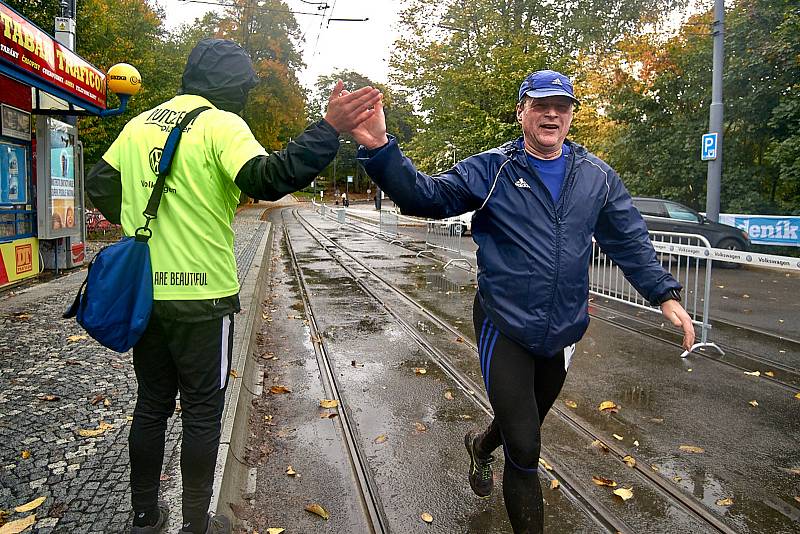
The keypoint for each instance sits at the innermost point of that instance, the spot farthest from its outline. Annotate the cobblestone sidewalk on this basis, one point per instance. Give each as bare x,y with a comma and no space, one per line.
54,382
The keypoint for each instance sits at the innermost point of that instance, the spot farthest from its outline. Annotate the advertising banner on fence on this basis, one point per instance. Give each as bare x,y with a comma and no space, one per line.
766,229
27,50
18,259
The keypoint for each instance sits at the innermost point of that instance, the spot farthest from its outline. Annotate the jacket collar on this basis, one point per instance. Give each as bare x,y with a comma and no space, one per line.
515,150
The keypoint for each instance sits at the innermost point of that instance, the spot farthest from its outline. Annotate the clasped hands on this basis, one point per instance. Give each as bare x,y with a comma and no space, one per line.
359,113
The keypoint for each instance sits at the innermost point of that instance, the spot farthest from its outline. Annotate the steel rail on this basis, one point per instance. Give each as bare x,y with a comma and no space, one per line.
667,489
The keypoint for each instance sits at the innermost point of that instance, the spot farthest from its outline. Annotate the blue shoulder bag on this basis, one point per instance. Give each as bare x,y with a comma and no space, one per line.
114,302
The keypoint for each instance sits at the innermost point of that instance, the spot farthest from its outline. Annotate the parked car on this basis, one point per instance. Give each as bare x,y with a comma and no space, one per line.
465,219
668,216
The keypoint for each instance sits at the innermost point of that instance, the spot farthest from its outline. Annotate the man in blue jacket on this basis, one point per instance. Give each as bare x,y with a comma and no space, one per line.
538,200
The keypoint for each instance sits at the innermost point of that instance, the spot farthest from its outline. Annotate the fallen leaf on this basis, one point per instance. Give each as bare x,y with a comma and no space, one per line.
630,461
770,374
164,477
317,509
600,481
25,454
597,444
21,316
420,370
753,403
676,478
355,364
654,467
692,448
795,470
233,373
689,370
14,527
329,403
50,398
545,464
277,390
797,396
624,493
724,502
291,472
465,416
754,373
420,427
554,484
657,420
97,398
608,406
459,340
276,530
73,339
571,404
90,433
449,395
380,439
28,506
106,402
129,417
617,437
797,498
326,415
428,518
636,443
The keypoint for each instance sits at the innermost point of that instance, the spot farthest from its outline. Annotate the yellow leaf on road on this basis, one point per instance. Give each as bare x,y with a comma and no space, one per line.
15,527
291,472
597,444
428,518
278,390
554,484
692,448
234,374
797,396
608,406
770,374
624,493
601,481
275,530
420,427
753,403
448,395
73,339
329,403
25,454
571,404
420,370
545,465
380,439
754,373
317,509
630,460
617,437
90,433
725,502
33,505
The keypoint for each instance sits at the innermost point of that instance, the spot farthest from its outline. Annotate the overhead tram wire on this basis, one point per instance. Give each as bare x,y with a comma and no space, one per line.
256,8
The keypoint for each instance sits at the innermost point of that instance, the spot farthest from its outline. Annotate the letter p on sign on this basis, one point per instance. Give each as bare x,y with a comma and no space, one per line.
709,147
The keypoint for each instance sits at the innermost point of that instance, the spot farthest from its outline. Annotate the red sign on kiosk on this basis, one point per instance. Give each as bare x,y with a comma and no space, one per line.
29,50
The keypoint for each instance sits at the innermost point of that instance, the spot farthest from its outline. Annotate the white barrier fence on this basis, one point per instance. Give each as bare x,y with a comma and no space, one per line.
688,257
388,226
444,235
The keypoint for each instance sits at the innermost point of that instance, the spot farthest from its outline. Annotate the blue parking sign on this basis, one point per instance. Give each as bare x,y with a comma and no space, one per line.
709,147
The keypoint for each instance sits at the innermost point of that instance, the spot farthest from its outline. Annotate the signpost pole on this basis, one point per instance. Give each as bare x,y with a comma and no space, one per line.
714,179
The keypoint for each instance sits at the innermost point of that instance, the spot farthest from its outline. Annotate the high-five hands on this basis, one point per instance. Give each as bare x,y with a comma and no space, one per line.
347,110
673,311
372,132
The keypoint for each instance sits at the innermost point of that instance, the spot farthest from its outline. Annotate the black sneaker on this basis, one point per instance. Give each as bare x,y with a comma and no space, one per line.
163,516
217,524
480,469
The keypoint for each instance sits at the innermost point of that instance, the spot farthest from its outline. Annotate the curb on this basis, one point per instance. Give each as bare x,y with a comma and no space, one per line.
231,474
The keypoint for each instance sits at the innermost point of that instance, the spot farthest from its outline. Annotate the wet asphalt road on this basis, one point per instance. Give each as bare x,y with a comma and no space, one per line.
412,433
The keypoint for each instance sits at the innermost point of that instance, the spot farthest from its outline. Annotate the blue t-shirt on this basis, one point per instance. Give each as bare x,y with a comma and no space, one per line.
551,171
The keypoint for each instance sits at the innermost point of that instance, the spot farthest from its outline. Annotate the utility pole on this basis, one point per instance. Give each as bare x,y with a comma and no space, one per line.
714,180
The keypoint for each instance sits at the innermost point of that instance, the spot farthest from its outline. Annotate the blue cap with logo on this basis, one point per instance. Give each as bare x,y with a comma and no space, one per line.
544,83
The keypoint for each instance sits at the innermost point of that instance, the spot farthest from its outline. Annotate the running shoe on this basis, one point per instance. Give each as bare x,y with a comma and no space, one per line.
217,524
163,515
480,469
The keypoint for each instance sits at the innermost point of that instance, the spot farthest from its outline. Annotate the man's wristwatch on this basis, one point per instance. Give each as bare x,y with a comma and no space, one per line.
672,294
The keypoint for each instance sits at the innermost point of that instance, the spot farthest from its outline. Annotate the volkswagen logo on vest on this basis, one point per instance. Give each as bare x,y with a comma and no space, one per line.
155,158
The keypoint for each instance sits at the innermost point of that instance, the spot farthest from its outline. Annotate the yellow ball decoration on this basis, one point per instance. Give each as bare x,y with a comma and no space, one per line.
124,79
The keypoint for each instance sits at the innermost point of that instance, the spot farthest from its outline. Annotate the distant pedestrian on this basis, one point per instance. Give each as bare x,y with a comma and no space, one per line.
187,346
538,200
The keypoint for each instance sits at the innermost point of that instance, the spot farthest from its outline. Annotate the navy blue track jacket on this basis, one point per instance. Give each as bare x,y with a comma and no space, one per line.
533,254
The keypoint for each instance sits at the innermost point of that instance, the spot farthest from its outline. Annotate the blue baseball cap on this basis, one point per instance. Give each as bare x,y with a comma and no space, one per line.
544,83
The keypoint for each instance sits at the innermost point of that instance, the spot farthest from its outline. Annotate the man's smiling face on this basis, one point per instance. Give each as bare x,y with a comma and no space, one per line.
545,123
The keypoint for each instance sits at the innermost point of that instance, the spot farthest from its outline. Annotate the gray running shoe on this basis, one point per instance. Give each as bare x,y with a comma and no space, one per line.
480,469
217,524
163,516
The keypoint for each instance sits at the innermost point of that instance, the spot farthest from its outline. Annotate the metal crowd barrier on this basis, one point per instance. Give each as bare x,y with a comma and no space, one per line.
341,215
688,257
387,227
444,235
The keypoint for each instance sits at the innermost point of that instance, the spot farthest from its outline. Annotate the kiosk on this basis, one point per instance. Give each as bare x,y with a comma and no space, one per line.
44,86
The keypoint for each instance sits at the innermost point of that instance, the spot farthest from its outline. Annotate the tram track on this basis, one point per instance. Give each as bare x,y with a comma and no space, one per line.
587,503
366,487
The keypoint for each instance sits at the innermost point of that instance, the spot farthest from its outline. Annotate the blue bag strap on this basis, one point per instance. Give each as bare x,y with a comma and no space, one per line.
164,167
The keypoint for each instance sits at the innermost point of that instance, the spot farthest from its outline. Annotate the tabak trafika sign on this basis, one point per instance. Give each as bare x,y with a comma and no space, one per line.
28,50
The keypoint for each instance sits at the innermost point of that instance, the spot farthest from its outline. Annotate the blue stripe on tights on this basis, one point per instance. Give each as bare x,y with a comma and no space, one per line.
482,343
489,358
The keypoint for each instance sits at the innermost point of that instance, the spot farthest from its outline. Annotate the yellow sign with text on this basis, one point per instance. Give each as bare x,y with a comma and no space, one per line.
18,260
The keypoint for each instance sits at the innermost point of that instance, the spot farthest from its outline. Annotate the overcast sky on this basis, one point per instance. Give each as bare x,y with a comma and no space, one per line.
360,46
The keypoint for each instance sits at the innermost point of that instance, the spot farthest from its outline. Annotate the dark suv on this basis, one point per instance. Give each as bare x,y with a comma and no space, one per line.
668,216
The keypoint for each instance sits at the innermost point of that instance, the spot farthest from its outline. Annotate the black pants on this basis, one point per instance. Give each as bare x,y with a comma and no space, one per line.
522,388
193,359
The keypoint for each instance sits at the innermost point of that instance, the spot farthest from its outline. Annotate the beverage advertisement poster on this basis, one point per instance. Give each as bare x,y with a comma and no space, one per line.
13,174
62,176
